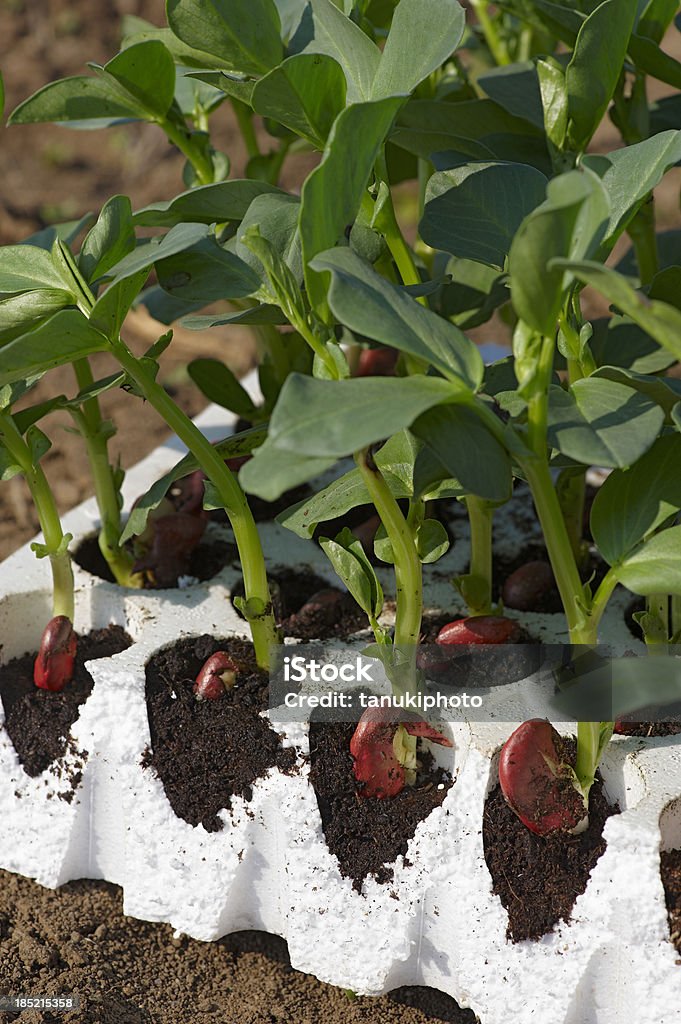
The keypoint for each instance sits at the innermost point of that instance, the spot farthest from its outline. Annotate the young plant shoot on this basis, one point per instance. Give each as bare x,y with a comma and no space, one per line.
21,454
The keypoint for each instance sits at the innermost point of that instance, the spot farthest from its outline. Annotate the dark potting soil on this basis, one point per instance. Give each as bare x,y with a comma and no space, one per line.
77,940
291,589
367,836
670,871
206,752
538,878
38,721
206,560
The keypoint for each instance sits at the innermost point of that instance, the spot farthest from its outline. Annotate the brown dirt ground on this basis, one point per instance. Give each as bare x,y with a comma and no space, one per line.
78,941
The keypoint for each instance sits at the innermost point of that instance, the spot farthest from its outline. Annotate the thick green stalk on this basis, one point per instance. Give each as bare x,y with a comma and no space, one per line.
92,428
571,491
480,519
244,118
48,516
260,617
592,739
408,575
184,142
496,44
400,251
642,233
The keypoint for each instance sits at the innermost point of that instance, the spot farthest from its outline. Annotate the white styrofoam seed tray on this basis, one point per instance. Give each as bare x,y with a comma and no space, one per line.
269,868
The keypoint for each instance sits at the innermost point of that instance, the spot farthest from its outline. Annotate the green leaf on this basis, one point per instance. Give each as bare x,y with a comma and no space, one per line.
232,447
306,93
276,217
432,541
661,321
236,86
64,337
109,240
571,221
324,29
261,314
179,238
554,99
603,423
631,504
272,471
648,57
631,173
474,211
21,312
217,382
475,291
94,102
656,17
423,34
208,204
676,416
595,67
665,391
656,567
332,193
242,34
25,268
355,570
617,341
467,451
336,418
515,87
8,467
38,442
112,306
206,272
396,463
369,305
145,72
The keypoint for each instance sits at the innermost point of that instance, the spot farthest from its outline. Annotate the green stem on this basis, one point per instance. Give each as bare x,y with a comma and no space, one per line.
244,117
93,430
642,233
496,44
592,739
582,629
408,576
278,161
260,617
399,250
571,491
182,138
480,519
48,517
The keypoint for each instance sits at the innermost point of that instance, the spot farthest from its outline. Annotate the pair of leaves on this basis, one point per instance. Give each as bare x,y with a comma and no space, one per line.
423,34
